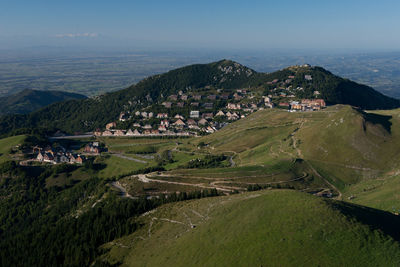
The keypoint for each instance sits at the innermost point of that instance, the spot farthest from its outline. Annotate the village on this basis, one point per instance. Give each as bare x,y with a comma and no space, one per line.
59,154
195,114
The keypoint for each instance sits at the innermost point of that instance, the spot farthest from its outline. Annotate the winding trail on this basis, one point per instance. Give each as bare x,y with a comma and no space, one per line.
128,158
124,192
300,155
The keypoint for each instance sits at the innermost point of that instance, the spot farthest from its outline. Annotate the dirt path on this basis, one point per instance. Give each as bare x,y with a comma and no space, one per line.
123,191
339,197
143,178
128,158
300,155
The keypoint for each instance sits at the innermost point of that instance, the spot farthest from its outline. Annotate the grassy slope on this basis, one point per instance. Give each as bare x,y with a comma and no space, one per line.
266,228
342,142
7,143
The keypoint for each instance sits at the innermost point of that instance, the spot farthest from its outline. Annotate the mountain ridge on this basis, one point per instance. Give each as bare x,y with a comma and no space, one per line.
30,100
89,114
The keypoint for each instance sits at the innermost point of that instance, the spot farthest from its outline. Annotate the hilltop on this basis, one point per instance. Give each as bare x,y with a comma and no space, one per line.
28,101
266,228
297,81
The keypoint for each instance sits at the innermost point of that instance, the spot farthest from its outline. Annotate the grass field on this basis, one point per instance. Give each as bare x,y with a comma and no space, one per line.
116,166
6,144
265,228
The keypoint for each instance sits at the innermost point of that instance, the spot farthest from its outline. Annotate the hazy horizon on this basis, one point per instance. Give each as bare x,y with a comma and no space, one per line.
256,25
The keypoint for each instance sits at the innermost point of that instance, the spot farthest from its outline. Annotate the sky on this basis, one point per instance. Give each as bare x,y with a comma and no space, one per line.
280,24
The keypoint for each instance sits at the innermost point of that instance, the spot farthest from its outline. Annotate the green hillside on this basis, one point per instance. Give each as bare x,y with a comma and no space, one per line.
27,101
8,144
343,144
266,228
89,114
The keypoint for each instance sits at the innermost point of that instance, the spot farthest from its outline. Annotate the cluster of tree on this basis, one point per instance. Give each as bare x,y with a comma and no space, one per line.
209,161
257,187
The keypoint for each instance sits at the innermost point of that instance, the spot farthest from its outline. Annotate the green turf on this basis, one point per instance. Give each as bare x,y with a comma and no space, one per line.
6,144
266,228
118,166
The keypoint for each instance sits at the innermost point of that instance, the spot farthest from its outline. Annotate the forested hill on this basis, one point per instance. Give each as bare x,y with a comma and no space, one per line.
88,114
28,100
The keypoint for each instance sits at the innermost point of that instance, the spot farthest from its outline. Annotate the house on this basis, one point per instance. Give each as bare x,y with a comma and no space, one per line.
150,115
155,132
147,127
92,148
40,156
308,77
275,81
48,157
207,115
177,116
283,104
136,125
237,97
180,104
162,128
123,116
194,127
136,132
197,97
184,97
267,99
63,159
111,125
194,104
191,122
210,129
162,115
97,132
165,123
233,106
167,104
208,105
137,113
129,133
107,133
76,159
220,113
291,76
225,96
314,102
119,133
173,97
144,114
194,114
179,123
203,121
212,97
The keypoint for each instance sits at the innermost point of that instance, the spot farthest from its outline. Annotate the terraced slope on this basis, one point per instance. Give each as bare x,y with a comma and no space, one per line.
341,142
266,228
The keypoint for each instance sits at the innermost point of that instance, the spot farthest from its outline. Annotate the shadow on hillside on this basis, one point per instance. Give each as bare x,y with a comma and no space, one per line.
379,119
376,219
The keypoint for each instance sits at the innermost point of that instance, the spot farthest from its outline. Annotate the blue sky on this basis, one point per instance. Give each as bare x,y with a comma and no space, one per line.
285,24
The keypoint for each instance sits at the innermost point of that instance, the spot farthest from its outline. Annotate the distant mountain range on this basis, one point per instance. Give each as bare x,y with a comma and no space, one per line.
89,114
28,100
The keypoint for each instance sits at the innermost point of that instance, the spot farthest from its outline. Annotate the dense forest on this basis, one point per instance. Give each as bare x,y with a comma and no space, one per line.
28,101
52,226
